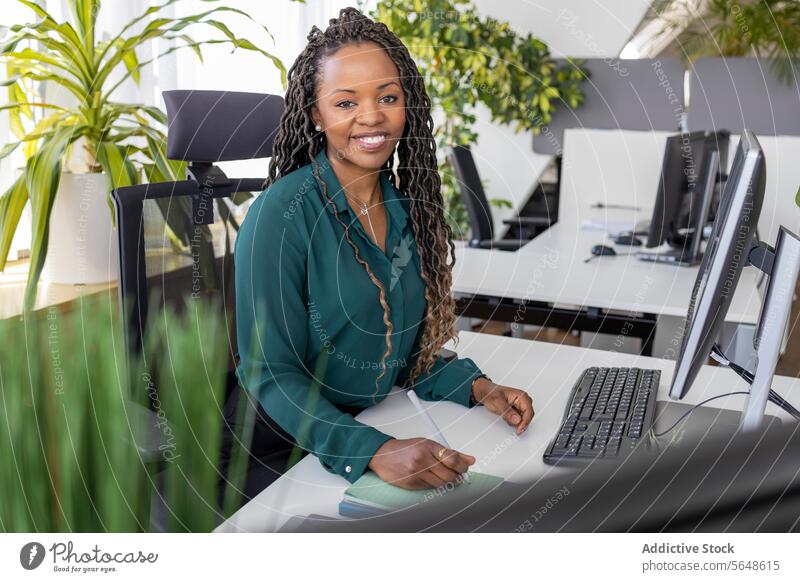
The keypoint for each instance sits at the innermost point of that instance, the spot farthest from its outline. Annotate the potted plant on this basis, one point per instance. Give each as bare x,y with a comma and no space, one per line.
121,143
467,59
768,29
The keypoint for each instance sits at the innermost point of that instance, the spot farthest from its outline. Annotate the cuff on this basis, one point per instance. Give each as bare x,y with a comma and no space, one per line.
462,374
353,464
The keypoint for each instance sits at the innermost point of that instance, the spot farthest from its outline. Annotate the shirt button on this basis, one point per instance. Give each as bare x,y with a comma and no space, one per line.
347,469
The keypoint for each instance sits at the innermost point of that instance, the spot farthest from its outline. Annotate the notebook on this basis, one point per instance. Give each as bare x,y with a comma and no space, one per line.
370,495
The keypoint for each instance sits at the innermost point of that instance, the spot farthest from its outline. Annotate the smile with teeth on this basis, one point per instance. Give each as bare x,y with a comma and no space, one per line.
371,140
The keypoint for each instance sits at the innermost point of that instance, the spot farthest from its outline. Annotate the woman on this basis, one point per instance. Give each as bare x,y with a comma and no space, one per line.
342,278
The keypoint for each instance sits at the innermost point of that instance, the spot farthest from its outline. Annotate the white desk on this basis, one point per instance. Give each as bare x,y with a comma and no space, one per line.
623,167
546,371
551,269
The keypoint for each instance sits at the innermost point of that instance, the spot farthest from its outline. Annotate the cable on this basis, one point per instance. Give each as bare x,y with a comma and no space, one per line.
718,355
693,408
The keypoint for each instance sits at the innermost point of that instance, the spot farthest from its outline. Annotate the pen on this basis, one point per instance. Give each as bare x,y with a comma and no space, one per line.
418,405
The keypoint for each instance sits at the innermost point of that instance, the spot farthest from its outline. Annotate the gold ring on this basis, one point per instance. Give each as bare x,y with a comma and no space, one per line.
442,451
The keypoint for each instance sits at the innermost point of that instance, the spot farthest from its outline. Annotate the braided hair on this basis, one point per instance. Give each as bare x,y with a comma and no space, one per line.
297,143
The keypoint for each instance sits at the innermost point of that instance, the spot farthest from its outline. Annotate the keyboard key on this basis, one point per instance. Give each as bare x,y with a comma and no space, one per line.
561,442
604,416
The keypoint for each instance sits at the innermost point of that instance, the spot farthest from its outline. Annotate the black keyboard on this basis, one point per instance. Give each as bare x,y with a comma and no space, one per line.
609,412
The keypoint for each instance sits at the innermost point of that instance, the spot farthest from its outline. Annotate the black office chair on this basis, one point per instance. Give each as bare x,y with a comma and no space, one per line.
204,127
480,214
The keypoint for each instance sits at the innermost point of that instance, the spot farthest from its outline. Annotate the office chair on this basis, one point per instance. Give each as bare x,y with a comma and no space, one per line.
204,127
480,214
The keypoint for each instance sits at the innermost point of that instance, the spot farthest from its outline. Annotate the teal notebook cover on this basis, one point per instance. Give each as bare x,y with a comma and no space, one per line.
372,491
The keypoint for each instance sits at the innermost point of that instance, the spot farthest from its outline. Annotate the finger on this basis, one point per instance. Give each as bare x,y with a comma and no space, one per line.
431,478
444,473
517,404
504,408
525,404
512,416
417,483
458,462
455,462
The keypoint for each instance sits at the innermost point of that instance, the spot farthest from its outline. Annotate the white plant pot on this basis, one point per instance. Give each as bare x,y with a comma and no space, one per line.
83,246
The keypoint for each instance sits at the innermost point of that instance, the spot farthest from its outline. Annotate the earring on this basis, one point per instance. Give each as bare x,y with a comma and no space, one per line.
318,127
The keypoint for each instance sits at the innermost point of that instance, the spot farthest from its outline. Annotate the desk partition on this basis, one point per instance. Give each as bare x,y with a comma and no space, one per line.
737,93
634,94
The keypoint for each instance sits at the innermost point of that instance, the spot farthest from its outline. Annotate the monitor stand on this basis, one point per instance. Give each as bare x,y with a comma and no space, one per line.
704,422
782,265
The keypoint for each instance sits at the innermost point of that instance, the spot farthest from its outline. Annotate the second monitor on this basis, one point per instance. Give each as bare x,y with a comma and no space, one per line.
687,196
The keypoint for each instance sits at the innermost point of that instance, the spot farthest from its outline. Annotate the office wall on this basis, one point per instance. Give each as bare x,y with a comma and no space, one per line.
570,28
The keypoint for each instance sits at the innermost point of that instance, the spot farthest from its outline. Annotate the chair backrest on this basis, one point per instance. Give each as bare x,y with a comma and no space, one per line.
176,238
472,193
220,126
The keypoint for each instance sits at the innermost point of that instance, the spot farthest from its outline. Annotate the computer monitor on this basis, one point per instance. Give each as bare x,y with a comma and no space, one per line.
733,245
696,170
687,194
669,195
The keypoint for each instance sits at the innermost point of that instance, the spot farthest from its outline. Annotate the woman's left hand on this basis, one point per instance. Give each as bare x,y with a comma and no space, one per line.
514,405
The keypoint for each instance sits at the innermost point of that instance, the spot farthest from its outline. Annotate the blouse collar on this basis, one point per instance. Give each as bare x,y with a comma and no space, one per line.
393,200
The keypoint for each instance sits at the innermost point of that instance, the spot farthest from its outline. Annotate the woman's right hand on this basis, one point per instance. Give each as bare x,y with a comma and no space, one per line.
416,463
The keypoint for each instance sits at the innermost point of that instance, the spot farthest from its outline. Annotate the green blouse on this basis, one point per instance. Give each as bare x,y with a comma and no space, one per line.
310,324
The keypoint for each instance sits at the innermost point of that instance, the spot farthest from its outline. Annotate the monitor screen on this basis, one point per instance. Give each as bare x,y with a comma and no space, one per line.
726,256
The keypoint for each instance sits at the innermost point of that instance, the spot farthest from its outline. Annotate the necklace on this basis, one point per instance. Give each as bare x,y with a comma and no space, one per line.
362,206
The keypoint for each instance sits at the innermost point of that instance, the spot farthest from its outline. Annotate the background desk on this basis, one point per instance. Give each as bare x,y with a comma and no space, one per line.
547,282
546,371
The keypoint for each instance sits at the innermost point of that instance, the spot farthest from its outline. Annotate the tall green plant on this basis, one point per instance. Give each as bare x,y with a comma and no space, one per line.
467,59
124,140
71,418
741,28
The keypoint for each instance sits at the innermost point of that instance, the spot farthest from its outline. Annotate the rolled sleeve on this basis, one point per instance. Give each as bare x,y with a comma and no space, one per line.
270,260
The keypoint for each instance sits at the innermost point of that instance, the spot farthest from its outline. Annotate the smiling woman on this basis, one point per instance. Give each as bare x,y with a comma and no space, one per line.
347,293
361,109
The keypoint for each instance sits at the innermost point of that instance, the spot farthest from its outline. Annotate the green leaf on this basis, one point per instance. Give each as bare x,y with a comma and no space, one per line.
41,12
132,64
9,148
42,176
118,168
85,14
12,202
